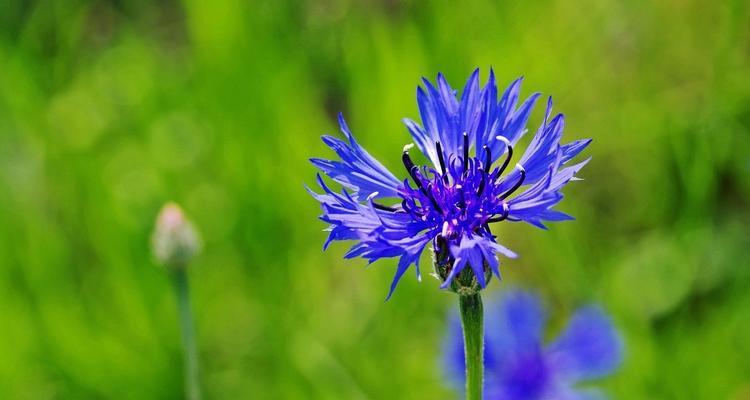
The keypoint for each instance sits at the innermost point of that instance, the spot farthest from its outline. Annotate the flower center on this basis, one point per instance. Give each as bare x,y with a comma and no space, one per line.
463,197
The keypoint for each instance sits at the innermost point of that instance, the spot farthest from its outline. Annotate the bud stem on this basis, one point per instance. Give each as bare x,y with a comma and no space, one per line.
472,315
192,385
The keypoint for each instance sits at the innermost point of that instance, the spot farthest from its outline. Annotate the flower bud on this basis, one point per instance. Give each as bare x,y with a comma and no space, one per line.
175,240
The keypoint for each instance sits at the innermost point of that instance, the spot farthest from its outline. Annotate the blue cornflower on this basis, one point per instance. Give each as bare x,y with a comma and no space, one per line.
452,202
519,366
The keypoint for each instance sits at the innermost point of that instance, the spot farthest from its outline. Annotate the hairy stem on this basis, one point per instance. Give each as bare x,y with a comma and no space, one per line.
472,322
192,385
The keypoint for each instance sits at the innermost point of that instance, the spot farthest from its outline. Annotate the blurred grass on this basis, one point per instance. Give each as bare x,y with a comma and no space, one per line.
109,109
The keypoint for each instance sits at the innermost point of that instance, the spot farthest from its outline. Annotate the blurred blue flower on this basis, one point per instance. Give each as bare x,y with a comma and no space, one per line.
519,366
456,198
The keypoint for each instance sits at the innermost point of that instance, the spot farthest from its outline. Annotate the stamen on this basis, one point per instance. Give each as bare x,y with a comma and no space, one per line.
508,157
462,199
414,173
441,159
405,206
410,167
517,185
408,163
502,217
411,209
384,208
481,186
434,202
486,168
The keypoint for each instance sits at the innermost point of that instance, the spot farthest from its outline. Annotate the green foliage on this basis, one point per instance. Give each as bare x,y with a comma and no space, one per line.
110,109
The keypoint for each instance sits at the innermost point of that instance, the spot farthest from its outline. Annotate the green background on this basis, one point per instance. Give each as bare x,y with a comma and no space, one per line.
110,109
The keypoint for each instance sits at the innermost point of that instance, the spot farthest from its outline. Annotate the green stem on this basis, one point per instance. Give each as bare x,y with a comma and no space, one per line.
192,385
472,322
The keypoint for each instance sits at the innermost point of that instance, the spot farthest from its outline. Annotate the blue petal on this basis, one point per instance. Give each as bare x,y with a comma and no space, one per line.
542,151
469,109
590,346
531,203
438,118
567,174
357,170
379,234
478,113
555,216
412,250
424,141
545,152
488,114
534,204
447,94
516,125
573,148
503,119
474,250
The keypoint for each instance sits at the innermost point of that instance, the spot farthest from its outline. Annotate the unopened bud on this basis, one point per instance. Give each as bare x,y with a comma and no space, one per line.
175,240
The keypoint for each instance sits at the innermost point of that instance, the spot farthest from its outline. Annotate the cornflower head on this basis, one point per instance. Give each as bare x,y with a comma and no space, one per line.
519,366
472,182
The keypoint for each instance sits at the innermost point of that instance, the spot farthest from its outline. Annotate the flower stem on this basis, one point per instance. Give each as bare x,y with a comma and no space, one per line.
472,322
192,385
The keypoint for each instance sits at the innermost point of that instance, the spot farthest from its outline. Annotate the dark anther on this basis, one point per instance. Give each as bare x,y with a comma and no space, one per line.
508,157
411,168
481,186
432,199
384,208
441,159
414,173
517,185
462,200
487,162
405,206
408,163
466,151
502,217
409,209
